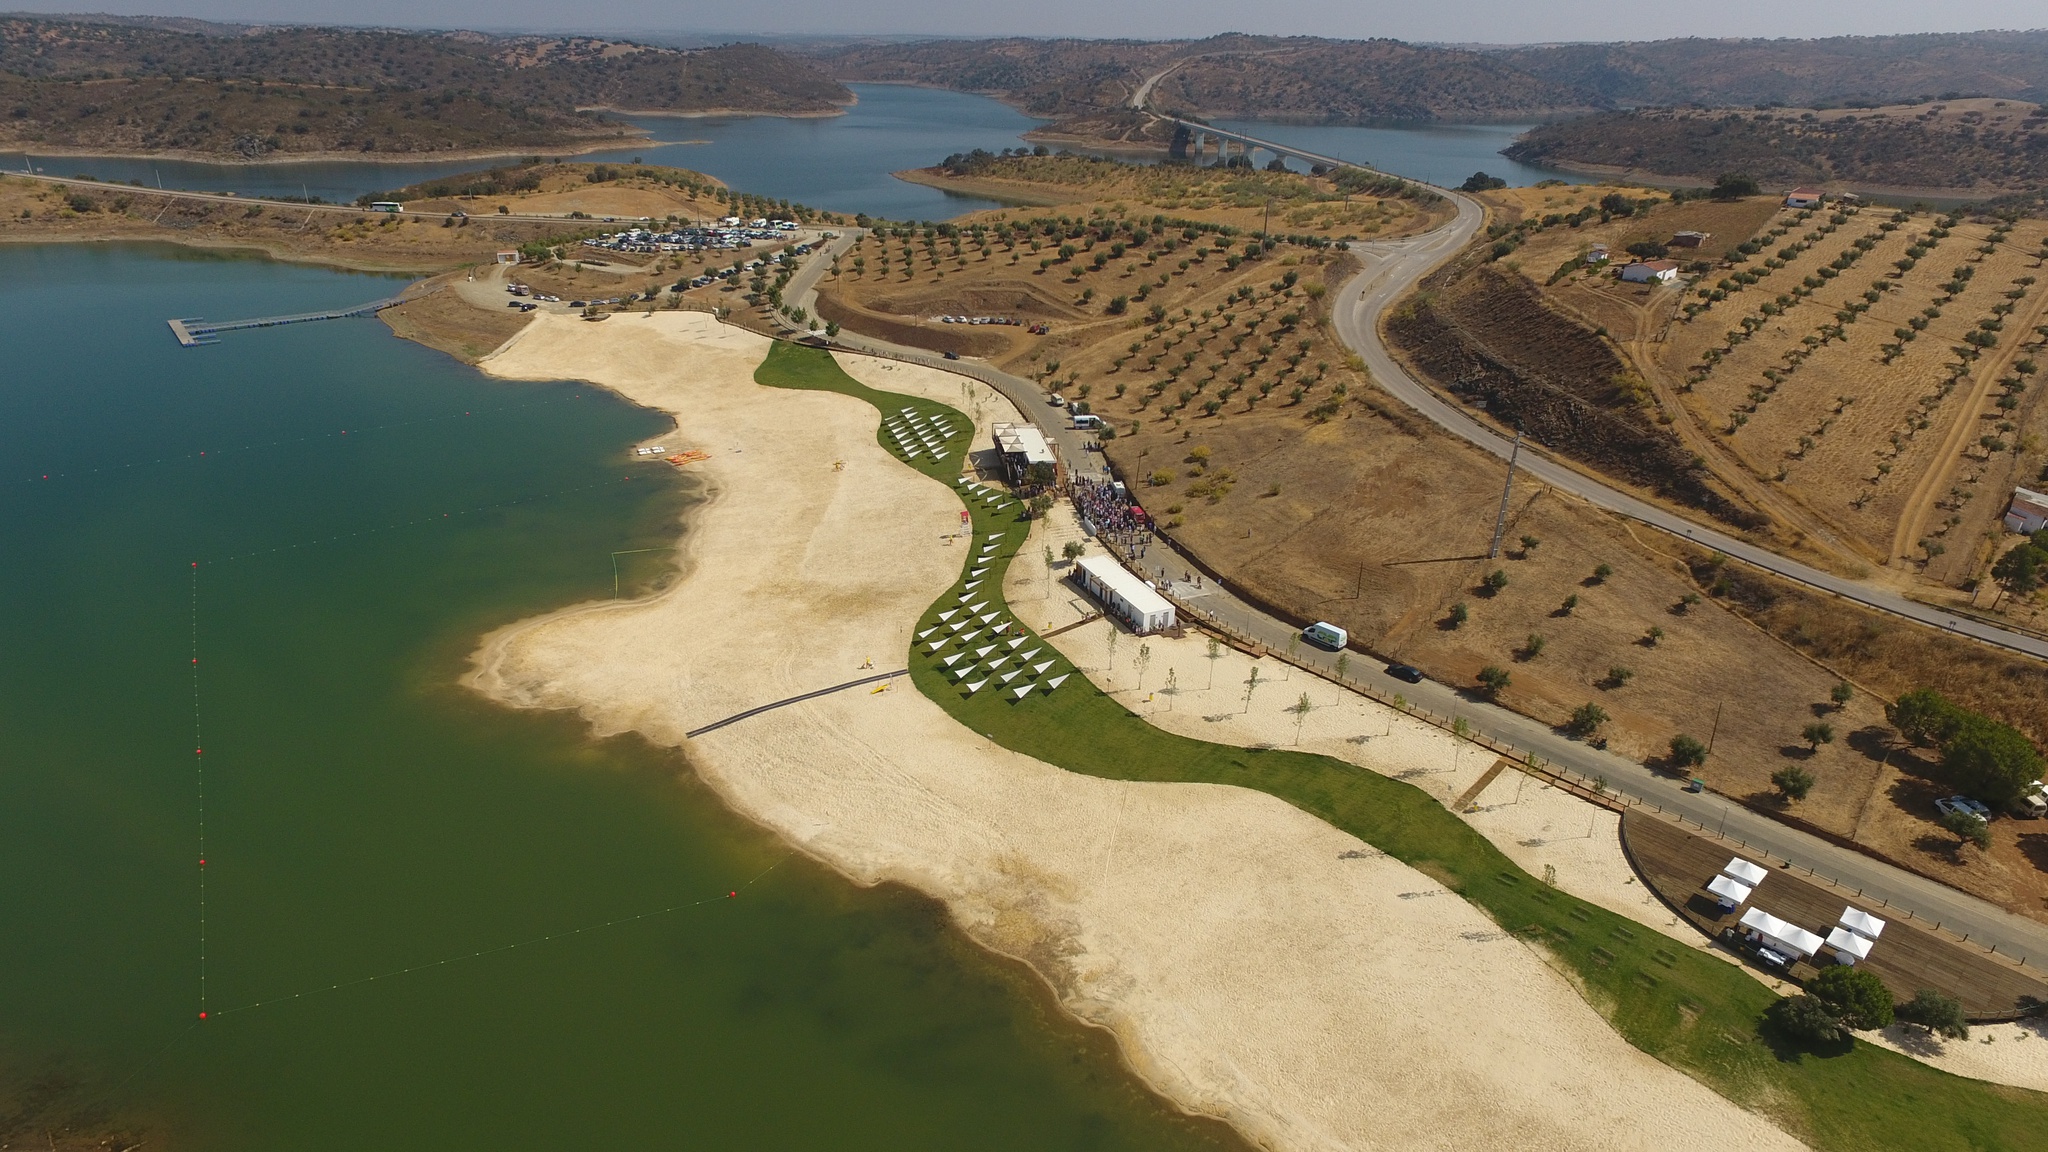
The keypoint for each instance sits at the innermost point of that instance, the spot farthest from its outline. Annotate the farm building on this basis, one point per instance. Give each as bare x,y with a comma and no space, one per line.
509,256
1804,198
1647,271
2027,513
1690,239
1021,446
1123,595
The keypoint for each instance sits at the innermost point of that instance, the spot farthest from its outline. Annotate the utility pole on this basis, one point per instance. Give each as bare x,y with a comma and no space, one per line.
1500,522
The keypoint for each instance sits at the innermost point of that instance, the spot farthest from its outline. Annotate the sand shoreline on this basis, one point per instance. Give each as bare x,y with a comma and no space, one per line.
1240,949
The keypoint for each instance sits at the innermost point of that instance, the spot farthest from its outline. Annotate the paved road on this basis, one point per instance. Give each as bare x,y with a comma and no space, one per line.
1393,266
1076,448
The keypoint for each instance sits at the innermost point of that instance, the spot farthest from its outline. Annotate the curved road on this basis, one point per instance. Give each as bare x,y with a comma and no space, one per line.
1392,267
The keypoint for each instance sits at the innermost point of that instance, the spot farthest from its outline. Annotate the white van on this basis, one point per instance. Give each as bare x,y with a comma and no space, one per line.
1326,635
1086,422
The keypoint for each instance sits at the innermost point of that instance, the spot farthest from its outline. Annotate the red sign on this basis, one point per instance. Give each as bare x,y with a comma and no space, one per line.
964,518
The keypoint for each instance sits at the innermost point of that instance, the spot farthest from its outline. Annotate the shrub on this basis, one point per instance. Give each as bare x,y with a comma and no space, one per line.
1459,614
1687,752
1495,581
1601,573
1493,679
1586,719
1817,734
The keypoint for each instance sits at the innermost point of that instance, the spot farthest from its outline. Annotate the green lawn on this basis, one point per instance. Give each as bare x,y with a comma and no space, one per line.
1690,1010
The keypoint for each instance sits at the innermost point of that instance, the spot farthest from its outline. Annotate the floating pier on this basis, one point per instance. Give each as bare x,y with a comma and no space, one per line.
193,331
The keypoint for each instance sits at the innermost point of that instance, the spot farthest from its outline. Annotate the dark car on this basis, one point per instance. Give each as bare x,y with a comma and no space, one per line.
952,355
1408,672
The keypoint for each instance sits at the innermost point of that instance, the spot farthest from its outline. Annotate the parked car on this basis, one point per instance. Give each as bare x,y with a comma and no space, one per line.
1056,400
1408,672
1963,804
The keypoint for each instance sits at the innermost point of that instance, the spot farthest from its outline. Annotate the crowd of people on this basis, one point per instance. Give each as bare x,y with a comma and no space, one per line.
1107,511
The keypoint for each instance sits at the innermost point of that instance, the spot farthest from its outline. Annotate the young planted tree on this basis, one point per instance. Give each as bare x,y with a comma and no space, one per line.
1494,582
1570,602
1793,782
1301,708
1533,646
1172,688
1601,573
1651,637
1251,685
1618,676
1144,662
1529,544
1214,654
1459,614
1841,694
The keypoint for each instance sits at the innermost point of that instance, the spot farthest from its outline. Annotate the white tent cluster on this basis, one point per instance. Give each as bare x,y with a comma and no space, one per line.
916,435
1850,939
975,643
1852,936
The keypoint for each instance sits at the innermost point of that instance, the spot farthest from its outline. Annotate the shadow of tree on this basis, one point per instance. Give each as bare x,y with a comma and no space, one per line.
1793,1049
1915,1040
1872,741
2034,846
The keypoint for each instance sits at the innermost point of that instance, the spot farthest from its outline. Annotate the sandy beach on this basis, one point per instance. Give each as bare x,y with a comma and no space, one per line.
1255,963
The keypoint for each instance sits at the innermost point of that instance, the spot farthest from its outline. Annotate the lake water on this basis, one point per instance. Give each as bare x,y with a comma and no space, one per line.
839,163
360,510
1440,154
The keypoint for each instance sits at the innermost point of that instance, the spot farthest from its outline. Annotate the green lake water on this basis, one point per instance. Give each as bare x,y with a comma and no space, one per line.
363,510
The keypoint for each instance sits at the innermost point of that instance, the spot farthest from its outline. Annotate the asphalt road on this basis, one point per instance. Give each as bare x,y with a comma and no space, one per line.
1391,267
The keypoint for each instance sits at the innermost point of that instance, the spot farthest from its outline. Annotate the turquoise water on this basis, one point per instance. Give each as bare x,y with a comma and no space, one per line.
1440,154
360,510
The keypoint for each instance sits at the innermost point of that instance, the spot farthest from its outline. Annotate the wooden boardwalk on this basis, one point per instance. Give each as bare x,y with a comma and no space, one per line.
1675,862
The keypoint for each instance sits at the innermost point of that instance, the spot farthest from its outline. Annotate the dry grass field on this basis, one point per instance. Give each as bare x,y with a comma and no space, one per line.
1863,376
1342,506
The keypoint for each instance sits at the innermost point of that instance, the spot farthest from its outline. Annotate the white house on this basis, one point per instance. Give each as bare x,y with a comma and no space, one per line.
1804,198
2027,513
1123,595
1647,271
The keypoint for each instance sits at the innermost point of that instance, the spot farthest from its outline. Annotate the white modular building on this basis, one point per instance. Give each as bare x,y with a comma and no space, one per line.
1124,595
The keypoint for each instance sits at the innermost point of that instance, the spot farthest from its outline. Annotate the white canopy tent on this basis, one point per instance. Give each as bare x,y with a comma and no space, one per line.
1849,947
1743,870
1732,892
1862,923
1779,933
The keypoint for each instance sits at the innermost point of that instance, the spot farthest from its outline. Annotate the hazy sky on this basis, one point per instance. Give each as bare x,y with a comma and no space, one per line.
1467,21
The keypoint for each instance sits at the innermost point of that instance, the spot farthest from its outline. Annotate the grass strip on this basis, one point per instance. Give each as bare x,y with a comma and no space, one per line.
1693,1011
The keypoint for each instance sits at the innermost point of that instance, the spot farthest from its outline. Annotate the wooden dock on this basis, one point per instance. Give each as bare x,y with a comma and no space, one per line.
1675,862
192,331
